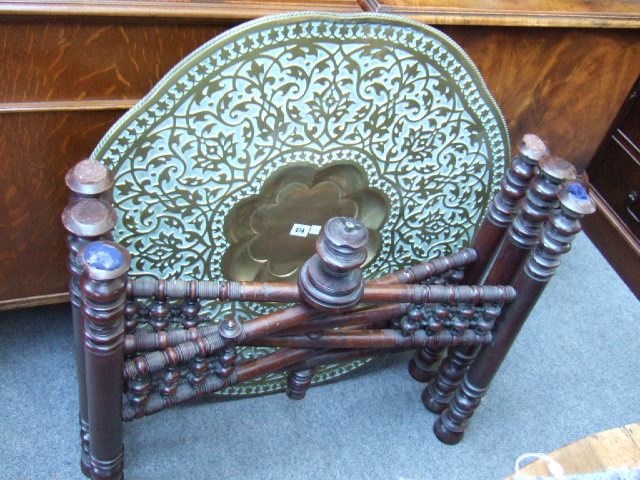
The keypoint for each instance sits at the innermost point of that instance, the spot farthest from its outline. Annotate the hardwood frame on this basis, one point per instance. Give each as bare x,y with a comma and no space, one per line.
127,372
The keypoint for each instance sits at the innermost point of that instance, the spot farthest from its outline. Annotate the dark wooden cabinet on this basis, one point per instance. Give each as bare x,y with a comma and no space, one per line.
615,176
70,68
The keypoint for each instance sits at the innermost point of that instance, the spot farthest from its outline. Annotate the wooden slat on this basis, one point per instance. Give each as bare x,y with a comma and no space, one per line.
565,85
68,106
556,13
523,13
34,301
194,10
614,448
36,151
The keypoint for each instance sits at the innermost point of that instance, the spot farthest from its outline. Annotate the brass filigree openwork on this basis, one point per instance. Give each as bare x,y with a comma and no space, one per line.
213,151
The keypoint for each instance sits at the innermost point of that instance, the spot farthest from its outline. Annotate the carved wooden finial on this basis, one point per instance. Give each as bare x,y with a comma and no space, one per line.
516,181
540,200
105,260
89,218
532,147
331,280
89,178
562,227
230,329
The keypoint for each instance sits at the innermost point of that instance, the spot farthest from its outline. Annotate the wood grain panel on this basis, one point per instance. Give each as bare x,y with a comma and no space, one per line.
36,151
173,9
539,13
614,240
67,77
566,85
616,175
57,60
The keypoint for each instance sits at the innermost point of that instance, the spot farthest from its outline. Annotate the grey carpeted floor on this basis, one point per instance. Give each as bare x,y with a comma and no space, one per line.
573,371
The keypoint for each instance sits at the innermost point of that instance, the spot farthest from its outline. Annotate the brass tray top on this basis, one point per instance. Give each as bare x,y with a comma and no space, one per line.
230,165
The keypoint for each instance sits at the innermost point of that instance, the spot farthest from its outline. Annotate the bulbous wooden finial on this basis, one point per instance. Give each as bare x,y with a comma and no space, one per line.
89,178
89,218
331,280
105,260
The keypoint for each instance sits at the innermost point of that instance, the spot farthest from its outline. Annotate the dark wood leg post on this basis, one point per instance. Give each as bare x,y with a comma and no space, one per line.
539,201
85,221
439,392
424,364
530,282
298,382
503,209
103,299
504,206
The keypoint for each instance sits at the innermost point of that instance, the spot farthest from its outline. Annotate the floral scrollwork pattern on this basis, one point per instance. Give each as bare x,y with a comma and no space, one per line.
392,107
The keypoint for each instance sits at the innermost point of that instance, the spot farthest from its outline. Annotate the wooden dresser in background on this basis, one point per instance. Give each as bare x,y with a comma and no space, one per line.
615,175
71,68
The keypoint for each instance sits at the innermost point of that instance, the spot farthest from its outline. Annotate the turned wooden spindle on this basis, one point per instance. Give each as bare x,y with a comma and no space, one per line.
331,280
131,311
160,308
191,307
145,341
198,369
288,292
501,213
505,204
89,221
298,382
168,385
424,364
522,235
90,179
213,383
439,392
138,390
530,281
380,338
103,298
226,362
426,270
146,287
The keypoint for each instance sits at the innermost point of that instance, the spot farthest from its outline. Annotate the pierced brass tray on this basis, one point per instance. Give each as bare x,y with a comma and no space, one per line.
231,164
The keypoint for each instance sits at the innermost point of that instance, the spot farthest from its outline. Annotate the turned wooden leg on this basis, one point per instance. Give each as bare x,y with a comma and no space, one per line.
530,282
438,393
522,235
298,382
502,210
504,207
103,300
86,221
425,363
